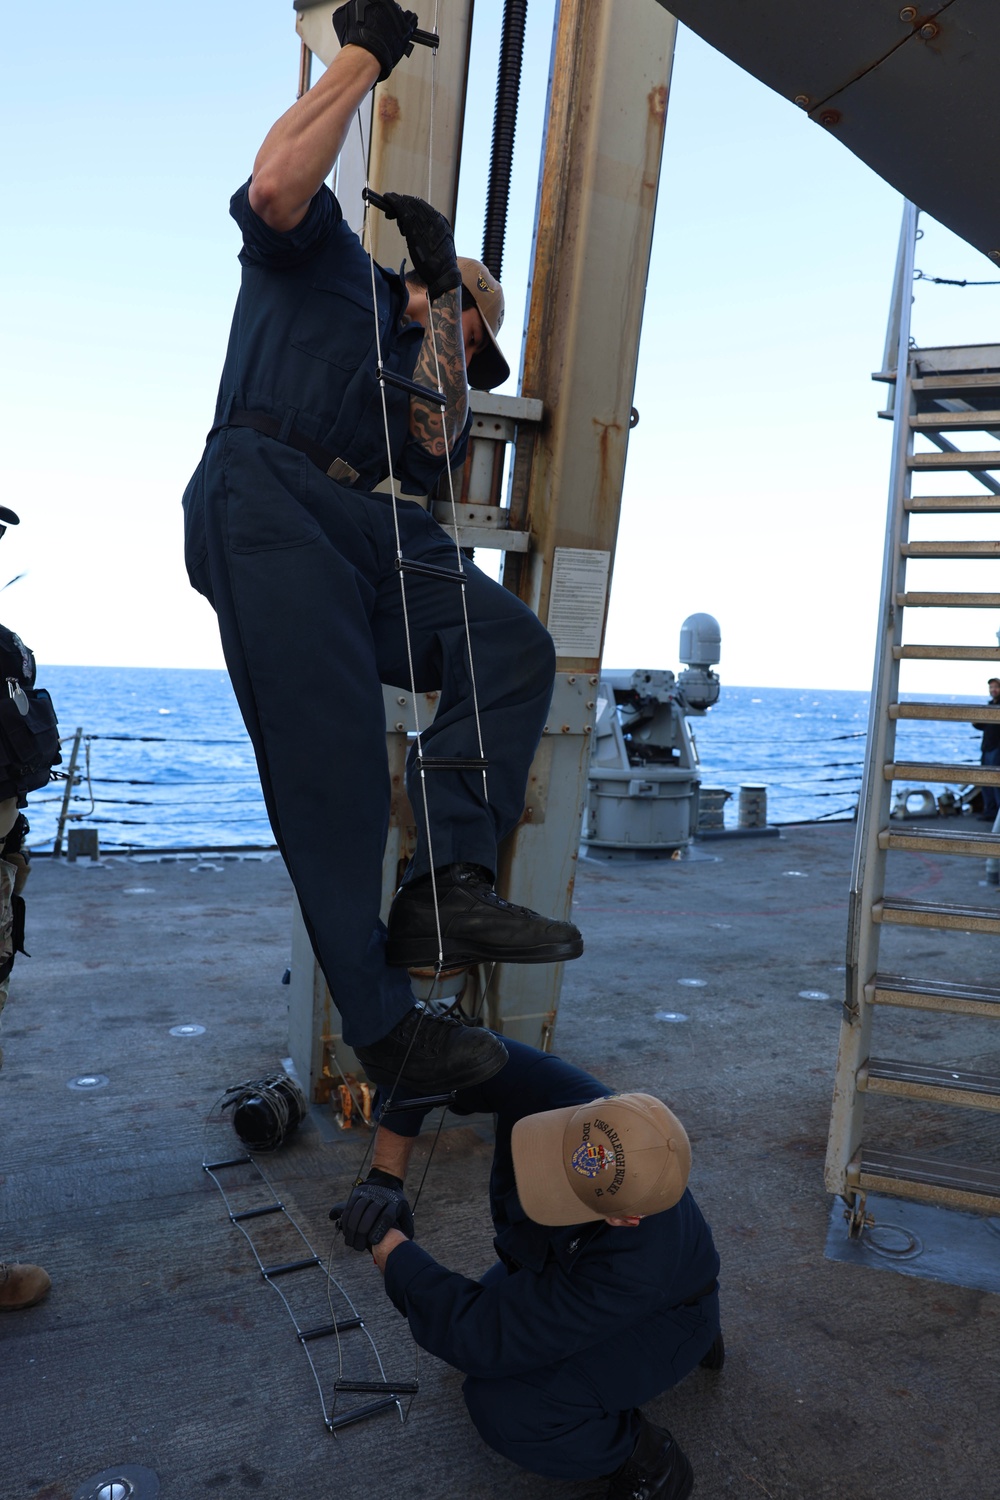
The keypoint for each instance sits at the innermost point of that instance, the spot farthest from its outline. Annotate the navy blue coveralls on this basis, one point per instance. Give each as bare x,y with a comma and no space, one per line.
571,1329
301,572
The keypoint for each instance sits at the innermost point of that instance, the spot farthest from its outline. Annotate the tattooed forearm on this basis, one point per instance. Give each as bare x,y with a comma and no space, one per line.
426,420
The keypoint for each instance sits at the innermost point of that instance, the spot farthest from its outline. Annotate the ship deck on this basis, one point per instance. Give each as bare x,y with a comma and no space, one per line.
160,1346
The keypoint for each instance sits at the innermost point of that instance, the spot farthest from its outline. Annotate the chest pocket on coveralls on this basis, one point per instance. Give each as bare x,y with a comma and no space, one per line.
336,322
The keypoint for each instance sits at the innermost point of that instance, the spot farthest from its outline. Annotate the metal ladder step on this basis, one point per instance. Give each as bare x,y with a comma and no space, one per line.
939,1085
946,653
961,775
939,505
940,841
937,914
948,600
962,713
950,549
941,421
925,1179
981,459
936,995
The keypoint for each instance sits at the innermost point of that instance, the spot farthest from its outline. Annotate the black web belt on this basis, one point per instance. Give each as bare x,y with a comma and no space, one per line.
260,421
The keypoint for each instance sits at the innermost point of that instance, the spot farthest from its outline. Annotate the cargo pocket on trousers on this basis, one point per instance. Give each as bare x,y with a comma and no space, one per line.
265,481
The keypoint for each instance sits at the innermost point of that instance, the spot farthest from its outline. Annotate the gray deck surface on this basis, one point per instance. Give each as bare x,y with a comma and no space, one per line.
161,1346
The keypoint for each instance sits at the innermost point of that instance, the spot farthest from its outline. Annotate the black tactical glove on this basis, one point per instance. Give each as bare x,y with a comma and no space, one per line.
429,240
375,1206
380,26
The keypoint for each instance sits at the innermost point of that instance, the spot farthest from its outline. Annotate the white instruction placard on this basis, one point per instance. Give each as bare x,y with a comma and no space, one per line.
576,604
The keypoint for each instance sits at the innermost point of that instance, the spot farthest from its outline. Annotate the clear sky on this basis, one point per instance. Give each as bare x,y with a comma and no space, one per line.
757,475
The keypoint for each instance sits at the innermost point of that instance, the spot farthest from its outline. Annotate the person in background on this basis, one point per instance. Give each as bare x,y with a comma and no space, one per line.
21,1285
990,756
605,1292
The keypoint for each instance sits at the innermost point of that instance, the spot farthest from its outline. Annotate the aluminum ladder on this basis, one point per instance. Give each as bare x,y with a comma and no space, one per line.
935,391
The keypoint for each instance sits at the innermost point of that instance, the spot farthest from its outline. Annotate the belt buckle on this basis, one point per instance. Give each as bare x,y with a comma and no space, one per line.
342,472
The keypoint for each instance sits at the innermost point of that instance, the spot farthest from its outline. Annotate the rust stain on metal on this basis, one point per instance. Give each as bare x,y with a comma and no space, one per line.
656,118
608,488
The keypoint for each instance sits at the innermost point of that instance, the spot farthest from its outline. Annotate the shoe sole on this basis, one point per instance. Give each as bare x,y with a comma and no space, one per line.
388,1078
423,958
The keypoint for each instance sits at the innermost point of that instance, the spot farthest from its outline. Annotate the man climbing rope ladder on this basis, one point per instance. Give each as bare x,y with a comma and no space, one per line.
324,591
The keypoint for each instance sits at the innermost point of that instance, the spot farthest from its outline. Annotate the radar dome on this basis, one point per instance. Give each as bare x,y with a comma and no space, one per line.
701,641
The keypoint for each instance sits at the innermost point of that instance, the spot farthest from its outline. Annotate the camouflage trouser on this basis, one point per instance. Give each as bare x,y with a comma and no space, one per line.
8,874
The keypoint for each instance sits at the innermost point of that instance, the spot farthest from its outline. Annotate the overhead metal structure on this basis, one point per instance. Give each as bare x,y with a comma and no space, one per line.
910,89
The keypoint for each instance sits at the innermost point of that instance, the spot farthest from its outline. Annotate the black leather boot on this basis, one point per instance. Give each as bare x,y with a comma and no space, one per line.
477,925
657,1470
433,1054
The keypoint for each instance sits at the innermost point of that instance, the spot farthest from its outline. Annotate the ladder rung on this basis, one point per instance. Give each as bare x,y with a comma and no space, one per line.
940,841
949,601
935,505
449,763
990,459
428,570
429,1101
425,392
377,1387
961,775
926,1179
946,653
940,1085
937,914
941,421
342,1325
950,549
988,379
937,995
962,713
291,1265
359,1413
258,1213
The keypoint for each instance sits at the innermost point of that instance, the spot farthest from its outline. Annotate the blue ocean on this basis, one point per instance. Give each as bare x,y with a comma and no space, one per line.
164,761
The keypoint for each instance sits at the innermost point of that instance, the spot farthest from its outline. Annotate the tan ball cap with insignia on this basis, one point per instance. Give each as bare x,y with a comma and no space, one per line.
625,1155
488,368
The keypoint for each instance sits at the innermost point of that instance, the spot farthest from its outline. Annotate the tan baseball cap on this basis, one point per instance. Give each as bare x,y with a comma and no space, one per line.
628,1154
488,368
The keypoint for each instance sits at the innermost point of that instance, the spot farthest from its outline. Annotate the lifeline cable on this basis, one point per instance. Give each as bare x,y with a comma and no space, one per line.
950,281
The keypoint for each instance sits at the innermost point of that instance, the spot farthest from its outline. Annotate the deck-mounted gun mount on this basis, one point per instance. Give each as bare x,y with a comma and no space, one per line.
642,791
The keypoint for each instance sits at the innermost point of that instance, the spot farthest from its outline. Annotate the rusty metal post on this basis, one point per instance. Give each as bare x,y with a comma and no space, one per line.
593,234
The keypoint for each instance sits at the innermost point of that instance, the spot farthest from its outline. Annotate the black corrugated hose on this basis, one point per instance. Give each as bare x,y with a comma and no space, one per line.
515,14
